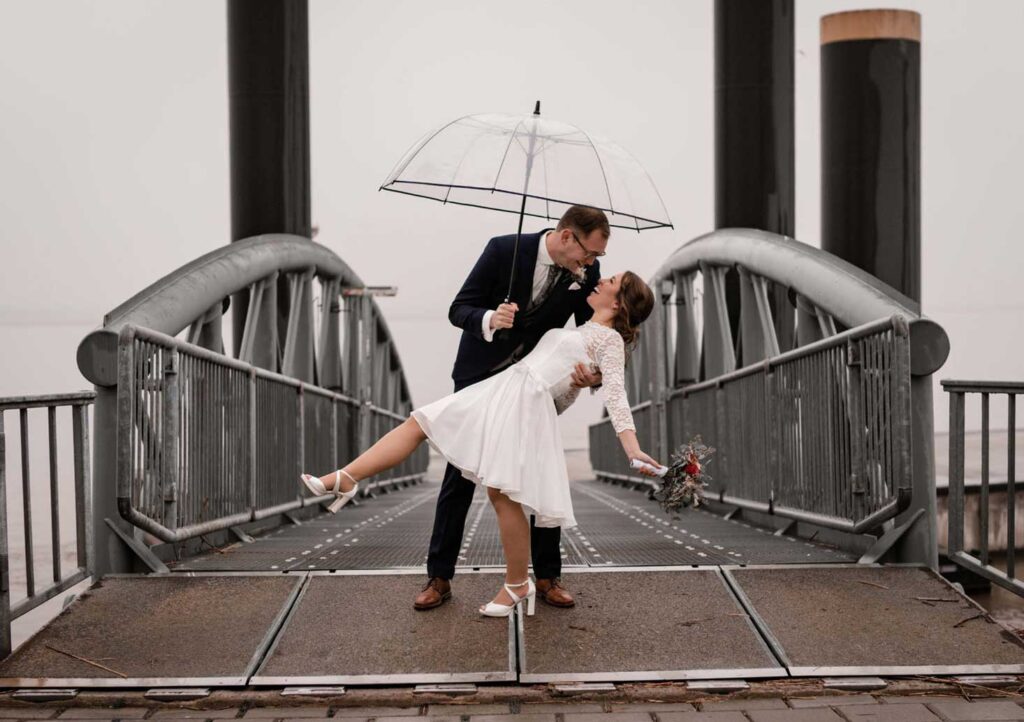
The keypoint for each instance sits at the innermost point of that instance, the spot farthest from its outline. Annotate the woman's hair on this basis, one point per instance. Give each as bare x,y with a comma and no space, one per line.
635,304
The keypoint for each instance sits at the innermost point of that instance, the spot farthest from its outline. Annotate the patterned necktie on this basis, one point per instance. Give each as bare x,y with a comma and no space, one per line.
554,272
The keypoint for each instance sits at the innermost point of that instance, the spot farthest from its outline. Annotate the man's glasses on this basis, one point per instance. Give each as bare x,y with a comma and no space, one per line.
590,253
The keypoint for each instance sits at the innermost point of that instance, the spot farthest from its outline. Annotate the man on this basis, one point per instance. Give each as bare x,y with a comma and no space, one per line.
555,270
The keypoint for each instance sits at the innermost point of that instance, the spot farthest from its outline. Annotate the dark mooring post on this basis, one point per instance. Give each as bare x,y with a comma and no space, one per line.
754,159
871,199
268,105
871,143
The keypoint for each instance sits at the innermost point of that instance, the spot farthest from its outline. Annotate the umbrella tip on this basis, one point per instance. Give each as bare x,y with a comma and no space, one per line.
536,108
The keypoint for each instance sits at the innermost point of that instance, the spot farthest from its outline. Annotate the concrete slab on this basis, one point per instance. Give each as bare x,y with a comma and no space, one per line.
859,620
155,631
690,627
977,711
362,629
890,713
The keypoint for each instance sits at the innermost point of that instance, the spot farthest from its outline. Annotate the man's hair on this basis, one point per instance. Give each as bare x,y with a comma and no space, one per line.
586,220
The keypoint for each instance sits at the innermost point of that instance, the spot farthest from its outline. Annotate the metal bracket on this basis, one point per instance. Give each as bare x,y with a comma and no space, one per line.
177,694
783,530
583,688
242,536
860,684
56,694
292,518
718,685
444,689
888,540
143,552
324,691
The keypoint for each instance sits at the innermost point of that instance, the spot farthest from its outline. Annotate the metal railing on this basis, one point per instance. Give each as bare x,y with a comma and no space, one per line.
981,563
201,440
60,579
206,442
606,455
819,434
791,363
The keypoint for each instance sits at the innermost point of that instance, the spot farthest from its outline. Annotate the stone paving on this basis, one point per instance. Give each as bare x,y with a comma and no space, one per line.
817,708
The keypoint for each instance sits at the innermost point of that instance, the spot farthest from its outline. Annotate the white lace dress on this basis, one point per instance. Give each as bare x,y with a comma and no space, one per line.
502,432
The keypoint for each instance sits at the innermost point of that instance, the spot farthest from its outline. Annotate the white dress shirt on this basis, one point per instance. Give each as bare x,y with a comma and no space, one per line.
540,276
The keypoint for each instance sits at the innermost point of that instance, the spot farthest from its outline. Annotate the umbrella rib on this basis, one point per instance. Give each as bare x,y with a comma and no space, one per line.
451,183
547,201
394,174
505,155
600,165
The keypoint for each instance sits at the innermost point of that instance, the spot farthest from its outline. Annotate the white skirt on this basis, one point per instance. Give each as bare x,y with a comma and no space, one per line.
503,433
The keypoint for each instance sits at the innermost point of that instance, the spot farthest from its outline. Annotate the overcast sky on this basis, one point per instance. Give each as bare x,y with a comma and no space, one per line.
114,154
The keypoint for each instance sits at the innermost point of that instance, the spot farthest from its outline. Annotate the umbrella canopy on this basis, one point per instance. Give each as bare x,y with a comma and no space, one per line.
529,165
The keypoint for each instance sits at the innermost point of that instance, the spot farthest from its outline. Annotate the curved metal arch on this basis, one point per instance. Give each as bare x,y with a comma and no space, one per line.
838,288
187,294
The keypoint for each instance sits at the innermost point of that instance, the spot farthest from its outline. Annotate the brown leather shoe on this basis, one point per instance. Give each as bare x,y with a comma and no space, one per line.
434,594
552,592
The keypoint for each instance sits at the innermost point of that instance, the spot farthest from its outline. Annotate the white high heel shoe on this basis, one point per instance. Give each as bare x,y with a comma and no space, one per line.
493,609
316,486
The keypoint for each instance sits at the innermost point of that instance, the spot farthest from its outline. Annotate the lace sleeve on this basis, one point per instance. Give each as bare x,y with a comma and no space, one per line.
611,357
566,399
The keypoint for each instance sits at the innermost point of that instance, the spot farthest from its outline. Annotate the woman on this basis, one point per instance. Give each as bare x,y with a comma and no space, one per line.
502,432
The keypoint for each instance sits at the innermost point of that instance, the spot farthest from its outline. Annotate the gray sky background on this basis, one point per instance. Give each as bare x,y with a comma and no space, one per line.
114,154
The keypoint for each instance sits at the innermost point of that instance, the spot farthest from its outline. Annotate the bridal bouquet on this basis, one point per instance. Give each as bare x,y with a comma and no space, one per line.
684,482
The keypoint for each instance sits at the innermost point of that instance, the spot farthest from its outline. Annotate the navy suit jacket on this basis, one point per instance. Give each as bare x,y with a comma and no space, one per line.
485,288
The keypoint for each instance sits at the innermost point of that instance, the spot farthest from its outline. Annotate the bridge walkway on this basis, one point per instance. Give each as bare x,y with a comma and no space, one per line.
328,602
618,526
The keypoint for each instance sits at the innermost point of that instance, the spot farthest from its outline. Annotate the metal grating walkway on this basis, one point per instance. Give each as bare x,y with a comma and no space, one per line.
629,623
617,527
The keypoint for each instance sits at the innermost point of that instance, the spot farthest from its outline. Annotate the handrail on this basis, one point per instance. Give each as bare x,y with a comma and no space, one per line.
61,579
243,405
958,550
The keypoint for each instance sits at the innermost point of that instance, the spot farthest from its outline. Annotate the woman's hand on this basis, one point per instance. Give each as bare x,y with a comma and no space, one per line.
644,457
631,446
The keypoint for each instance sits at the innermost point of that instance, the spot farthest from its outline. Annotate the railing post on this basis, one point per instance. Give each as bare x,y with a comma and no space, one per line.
171,423
83,488
300,428
252,440
364,370
1011,485
920,544
955,493
5,584
659,373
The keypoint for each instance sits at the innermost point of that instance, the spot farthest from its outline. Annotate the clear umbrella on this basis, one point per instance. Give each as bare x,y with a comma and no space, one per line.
529,165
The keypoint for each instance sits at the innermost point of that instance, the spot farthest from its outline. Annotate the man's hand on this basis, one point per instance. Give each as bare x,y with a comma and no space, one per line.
585,375
504,316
